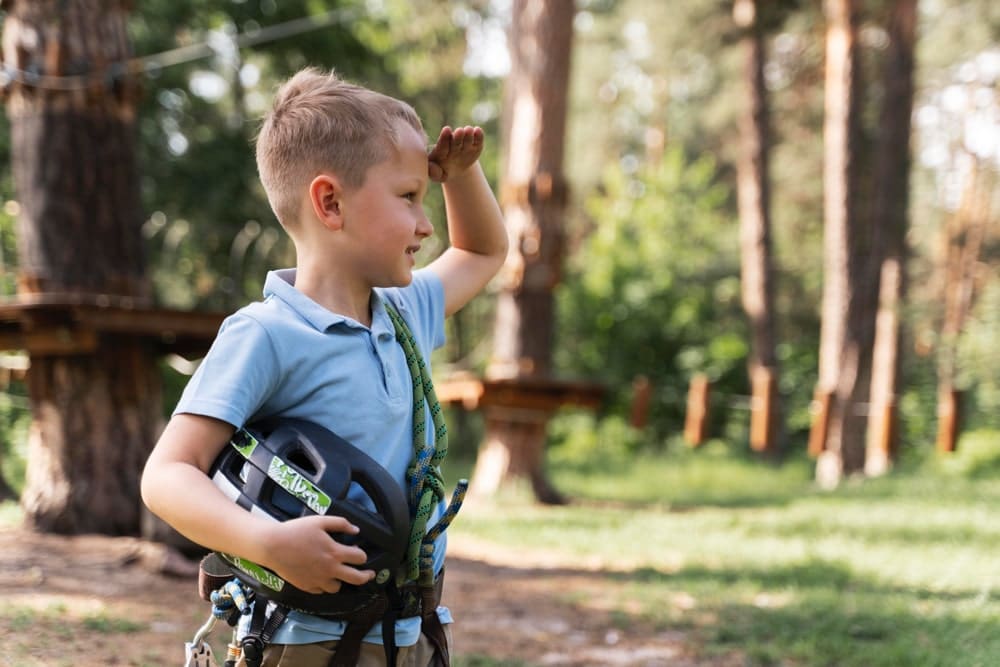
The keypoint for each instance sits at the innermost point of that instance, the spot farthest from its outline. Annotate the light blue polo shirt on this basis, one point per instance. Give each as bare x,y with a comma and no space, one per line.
289,356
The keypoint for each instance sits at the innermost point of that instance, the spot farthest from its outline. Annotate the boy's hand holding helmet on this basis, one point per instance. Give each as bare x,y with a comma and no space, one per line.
304,554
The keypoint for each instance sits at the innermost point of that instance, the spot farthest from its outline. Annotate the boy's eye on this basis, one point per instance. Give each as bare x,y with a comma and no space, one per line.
410,196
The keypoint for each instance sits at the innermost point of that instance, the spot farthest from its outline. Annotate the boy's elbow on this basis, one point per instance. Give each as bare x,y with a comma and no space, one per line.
147,488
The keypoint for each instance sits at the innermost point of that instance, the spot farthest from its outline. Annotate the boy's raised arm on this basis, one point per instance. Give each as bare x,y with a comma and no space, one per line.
475,224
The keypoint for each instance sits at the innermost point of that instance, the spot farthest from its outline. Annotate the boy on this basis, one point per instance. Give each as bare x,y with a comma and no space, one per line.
345,170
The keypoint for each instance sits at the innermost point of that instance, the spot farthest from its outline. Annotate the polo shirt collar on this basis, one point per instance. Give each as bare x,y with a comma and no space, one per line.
281,284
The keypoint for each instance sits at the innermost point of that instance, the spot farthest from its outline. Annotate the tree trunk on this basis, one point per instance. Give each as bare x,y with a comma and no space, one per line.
840,435
753,180
95,410
534,201
891,222
965,232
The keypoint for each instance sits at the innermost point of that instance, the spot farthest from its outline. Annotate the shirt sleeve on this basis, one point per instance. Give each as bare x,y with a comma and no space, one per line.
236,376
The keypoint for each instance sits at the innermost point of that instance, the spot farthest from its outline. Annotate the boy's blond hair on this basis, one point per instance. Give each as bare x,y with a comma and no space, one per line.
319,122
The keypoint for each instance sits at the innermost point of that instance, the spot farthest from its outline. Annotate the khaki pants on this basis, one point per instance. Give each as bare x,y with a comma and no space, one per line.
420,654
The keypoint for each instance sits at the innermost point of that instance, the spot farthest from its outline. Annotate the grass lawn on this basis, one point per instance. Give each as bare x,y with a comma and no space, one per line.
747,557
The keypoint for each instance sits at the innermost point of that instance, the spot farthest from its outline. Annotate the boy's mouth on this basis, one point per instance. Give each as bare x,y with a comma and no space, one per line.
413,250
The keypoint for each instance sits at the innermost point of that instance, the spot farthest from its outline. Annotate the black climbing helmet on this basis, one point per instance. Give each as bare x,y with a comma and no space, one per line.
290,468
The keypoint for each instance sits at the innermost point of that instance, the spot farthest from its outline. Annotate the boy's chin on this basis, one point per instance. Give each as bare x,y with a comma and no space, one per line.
401,280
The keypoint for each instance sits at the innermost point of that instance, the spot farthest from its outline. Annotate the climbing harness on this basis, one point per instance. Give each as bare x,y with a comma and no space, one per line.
230,603
293,475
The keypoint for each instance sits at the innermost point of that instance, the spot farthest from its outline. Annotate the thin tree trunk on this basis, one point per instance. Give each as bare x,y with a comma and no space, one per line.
534,201
96,409
965,232
753,180
835,437
891,223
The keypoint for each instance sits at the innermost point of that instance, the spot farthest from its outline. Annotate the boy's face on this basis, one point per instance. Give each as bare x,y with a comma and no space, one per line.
385,215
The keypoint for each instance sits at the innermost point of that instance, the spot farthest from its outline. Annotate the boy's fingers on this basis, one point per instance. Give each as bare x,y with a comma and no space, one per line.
441,149
443,144
338,524
354,576
351,555
435,171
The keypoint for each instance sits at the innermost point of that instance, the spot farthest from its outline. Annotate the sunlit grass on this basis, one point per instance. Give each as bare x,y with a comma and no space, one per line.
751,560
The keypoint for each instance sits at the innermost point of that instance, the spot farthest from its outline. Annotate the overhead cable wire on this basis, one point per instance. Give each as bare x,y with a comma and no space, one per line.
151,64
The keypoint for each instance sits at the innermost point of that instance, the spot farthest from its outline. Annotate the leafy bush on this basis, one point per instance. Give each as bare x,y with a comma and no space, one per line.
977,455
654,289
15,417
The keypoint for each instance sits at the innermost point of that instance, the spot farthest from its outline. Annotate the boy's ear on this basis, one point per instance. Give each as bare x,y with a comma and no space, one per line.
326,197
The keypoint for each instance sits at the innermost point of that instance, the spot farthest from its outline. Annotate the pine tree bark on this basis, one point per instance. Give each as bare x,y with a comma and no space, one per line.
534,201
891,223
837,436
753,181
95,409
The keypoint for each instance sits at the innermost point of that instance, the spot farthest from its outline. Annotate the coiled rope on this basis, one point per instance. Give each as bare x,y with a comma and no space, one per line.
425,485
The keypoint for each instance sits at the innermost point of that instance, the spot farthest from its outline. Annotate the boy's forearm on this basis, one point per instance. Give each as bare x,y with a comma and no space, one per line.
176,488
475,222
184,497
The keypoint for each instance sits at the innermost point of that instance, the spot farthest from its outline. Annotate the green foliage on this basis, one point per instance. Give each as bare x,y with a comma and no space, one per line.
979,363
977,456
211,233
15,418
8,242
654,288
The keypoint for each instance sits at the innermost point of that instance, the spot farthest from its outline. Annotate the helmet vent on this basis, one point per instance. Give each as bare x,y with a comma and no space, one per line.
301,459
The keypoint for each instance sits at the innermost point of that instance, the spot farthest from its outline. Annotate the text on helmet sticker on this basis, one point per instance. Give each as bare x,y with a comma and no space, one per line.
263,575
292,481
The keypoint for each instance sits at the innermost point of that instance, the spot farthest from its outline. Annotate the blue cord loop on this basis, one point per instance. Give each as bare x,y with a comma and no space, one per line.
230,602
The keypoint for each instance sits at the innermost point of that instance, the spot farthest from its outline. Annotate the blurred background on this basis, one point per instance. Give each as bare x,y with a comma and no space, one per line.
663,102
747,236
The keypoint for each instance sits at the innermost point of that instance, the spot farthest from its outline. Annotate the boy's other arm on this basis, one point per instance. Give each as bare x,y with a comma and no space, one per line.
176,487
478,238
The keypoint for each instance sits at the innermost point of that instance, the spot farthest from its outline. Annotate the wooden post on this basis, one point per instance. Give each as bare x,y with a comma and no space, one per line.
821,407
642,391
696,422
949,412
882,422
763,410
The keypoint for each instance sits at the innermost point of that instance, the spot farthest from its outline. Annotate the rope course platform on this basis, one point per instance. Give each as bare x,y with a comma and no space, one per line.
72,323
525,393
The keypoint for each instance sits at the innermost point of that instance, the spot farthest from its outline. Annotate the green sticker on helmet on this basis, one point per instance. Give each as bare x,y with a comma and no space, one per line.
263,575
292,481
244,443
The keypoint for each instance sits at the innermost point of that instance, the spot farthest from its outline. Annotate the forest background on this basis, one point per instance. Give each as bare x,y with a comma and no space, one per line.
723,554
651,283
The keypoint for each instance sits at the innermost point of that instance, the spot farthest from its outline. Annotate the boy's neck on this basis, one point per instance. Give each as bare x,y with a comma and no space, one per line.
330,292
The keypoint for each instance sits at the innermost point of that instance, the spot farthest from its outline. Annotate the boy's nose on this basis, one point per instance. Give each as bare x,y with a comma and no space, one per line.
424,226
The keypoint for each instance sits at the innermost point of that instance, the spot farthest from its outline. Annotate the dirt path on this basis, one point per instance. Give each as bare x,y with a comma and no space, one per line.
92,600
